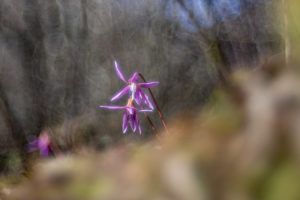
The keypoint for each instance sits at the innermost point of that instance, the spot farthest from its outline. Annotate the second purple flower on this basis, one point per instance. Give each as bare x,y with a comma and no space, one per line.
130,116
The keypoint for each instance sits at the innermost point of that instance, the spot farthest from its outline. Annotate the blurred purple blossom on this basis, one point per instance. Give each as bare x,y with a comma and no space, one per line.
134,88
42,143
130,116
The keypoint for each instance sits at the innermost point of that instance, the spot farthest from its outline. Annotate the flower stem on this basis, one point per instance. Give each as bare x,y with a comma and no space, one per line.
152,125
157,107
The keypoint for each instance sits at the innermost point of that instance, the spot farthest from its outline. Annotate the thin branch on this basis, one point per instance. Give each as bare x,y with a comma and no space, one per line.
153,127
157,107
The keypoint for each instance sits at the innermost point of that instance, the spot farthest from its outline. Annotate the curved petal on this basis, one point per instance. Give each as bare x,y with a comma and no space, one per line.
44,152
132,123
134,78
146,100
132,110
43,141
148,85
125,122
120,94
113,107
138,124
119,73
137,97
145,110
140,129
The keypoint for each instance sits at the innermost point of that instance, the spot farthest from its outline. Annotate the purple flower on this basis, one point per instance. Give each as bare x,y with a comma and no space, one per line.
42,143
134,88
130,116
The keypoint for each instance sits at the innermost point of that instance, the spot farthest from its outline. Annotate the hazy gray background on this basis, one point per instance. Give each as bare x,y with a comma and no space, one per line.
56,60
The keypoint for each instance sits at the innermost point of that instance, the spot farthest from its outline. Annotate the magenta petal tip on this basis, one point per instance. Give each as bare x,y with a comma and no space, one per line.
148,84
119,73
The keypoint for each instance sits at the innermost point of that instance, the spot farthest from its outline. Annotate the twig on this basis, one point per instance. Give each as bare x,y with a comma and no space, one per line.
152,125
157,107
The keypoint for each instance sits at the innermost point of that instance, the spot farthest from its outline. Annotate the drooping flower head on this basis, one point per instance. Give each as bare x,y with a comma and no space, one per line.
134,88
42,143
130,116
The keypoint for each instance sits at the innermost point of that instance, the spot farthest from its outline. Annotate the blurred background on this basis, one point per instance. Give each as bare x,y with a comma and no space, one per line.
229,91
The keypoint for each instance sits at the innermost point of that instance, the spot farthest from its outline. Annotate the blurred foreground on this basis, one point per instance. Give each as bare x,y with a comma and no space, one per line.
244,144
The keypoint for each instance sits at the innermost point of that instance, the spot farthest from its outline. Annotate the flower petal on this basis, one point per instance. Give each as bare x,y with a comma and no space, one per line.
132,110
145,110
148,85
140,129
113,107
120,94
44,152
119,73
125,122
138,124
137,97
32,146
146,100
132,123
134,78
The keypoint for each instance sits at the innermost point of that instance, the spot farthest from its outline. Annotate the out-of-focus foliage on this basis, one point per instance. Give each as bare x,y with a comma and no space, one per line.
290,28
